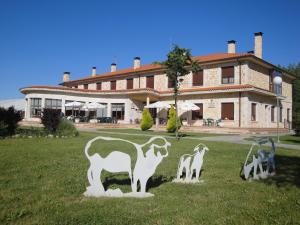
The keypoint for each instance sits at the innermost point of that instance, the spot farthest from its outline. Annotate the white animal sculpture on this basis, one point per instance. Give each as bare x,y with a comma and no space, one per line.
264,161
191,163
118,161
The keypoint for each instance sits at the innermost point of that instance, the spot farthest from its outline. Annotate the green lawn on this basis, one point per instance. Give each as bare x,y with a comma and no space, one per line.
42,181
159,132
286,139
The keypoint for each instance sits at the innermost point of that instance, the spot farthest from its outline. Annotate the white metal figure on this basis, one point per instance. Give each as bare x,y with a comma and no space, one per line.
118,161
264,161
191,163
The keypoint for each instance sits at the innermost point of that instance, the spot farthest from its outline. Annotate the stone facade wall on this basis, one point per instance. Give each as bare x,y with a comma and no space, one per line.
106,85
287,89
258,76
121,84
161,82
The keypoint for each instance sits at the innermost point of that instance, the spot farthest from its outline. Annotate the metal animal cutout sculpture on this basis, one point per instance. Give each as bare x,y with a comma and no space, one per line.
263,160
191,163
118,161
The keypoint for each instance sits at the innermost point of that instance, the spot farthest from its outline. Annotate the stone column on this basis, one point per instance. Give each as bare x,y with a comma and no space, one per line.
63,108
27,108
147,101
43,103
108,109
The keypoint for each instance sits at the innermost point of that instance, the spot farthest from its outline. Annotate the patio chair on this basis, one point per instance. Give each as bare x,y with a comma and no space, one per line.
205,123
210,122
218,122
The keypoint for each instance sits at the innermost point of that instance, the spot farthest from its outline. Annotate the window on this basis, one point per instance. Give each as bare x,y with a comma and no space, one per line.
227,111
228,75
99,86
102,112
76,86
53,104
280,114
113,85
85,86
118,111
130,83
198,114
288,114
272,114
171,83
150,81
35,107
198,78
253,111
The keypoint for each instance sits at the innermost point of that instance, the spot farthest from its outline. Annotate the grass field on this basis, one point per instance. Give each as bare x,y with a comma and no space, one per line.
42,181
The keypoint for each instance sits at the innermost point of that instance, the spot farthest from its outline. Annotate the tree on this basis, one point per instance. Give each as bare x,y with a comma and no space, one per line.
50,119
172,125
295,69
147,120
9,119
179,63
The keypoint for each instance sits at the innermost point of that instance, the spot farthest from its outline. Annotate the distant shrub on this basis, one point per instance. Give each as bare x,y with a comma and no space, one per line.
147,120
296,122
9,119
66,128
50,119
171,124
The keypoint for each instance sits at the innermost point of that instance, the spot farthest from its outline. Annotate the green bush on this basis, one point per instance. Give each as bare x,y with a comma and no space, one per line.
50,119
9,119
171,125
296,122
147,120
66,128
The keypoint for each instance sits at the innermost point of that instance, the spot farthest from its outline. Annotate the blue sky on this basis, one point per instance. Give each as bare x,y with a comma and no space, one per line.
39,40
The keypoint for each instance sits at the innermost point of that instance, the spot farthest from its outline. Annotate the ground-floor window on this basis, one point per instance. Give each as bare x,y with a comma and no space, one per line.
272,114
288,114
280,114
35,107
73,110
103,111
253,111
118,111
153,112
198,114
227,111
53,104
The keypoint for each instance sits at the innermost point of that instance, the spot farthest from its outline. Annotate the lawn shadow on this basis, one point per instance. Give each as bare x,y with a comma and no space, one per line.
292,141
153,182
287,172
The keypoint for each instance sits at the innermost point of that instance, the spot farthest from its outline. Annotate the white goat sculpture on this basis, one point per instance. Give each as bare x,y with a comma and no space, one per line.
191,163
117,161
262,157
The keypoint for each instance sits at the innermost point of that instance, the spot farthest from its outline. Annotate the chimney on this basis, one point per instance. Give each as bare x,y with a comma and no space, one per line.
258,44
113,67
66,77
136,62
94,73
231,46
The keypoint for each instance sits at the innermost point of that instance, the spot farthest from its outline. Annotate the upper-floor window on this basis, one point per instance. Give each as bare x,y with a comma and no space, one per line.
227,111
113,85
150,81
85,86
130,83
228,75
99,86
171,83
253,111
76,86
198,78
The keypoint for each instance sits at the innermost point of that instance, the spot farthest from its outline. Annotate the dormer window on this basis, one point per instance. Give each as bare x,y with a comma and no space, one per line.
228,75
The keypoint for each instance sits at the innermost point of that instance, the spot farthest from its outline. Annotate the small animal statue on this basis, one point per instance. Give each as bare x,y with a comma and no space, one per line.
191,163
118,161
263,160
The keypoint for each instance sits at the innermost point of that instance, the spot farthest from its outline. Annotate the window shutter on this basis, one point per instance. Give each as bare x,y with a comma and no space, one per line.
227,111
129,83
227,71
113,85
150,81
198,78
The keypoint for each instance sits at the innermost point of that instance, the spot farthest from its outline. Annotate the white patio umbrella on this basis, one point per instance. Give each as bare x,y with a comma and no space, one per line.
159,105
188,106
93,105
74,105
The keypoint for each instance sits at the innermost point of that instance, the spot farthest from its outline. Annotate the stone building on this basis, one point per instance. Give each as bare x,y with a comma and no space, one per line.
235,87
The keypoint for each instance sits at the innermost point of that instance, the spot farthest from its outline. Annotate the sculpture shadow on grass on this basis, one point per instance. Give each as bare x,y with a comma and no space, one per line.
153,182
287,172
